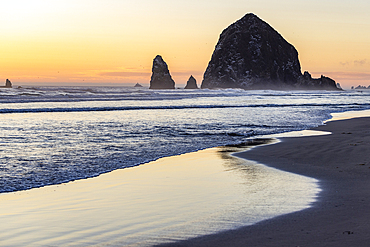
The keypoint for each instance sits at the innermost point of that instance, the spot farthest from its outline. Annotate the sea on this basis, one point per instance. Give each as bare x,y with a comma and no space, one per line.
53,135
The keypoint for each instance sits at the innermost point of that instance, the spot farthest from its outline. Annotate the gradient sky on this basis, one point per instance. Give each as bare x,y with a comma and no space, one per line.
113,42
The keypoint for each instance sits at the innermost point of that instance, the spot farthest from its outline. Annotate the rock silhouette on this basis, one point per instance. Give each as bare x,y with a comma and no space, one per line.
250,54
192,83
161,78
324,83
8,84
361,87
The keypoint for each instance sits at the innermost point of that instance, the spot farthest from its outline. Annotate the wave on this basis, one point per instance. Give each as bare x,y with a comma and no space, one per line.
31,94
99,94
176,107
39,150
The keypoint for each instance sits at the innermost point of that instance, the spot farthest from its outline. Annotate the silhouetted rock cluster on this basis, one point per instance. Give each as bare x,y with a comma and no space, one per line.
192,83
324,83
250,54
8,84
161,78
361,87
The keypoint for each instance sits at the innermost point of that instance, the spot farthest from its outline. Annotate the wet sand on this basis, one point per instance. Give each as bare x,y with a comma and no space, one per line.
340,217
173,198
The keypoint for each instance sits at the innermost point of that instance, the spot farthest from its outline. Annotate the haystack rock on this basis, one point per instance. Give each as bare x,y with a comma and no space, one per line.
250,54
161,78
192,83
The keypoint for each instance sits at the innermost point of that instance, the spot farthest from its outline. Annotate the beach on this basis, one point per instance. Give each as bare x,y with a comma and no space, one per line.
340,216
174,123
94,166
173,198
192,197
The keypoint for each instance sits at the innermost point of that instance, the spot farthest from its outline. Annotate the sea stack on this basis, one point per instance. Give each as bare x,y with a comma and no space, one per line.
192,83
250,54
8,83
161,78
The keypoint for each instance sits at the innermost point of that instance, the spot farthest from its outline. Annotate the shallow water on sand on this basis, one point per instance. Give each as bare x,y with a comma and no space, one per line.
166,200
349,114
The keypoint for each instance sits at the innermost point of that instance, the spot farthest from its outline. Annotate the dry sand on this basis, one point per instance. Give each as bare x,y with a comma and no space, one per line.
340,217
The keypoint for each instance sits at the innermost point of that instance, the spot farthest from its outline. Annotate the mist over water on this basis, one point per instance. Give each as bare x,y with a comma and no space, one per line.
50,135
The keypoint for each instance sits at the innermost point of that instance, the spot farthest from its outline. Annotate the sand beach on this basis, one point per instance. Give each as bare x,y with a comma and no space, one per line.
315,192
173,198
185,123
341,215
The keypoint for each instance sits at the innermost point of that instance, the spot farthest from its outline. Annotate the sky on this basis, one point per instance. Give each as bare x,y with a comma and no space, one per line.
114,42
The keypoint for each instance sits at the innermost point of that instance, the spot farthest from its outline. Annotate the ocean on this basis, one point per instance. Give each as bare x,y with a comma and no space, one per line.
71,173
52,135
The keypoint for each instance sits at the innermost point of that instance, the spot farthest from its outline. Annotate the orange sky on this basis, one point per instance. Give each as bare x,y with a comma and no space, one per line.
113,42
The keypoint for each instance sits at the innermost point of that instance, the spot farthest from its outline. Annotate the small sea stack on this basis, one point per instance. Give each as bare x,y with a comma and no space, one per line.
8,84
192,83
161,78
138,85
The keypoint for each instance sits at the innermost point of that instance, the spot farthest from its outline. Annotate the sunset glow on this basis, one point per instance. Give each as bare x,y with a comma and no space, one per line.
114,42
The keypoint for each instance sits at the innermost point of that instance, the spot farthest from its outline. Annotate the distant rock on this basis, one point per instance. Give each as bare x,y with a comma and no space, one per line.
361,87
161,78
8,84
192,83
138,85
250,54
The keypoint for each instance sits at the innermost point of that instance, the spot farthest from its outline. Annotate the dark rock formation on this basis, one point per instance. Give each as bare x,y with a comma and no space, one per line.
192,83
322,83
8,84
138,85
361,87
250,54
161,78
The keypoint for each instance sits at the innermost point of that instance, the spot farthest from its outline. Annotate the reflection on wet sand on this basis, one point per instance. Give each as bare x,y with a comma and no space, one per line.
169,199
246,169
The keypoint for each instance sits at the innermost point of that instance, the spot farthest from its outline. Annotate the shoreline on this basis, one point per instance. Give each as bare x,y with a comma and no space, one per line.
178,197
340,216
88,194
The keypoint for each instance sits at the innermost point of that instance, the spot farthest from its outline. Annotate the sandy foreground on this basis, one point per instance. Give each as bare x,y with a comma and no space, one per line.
340,217
173,198
188,195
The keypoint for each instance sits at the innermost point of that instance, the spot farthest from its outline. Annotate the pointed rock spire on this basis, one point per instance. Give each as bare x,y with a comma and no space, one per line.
192,83
161,78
